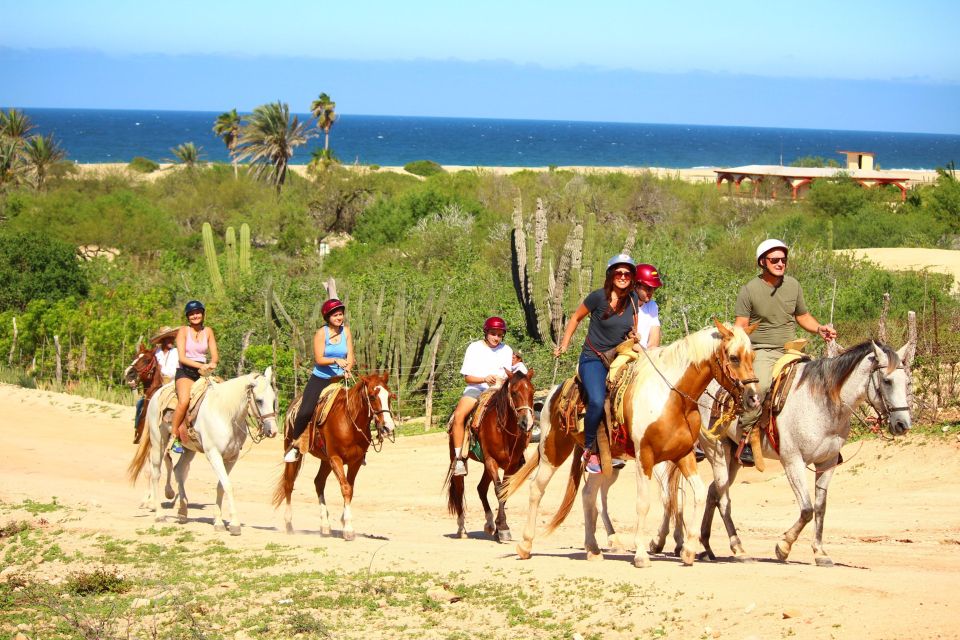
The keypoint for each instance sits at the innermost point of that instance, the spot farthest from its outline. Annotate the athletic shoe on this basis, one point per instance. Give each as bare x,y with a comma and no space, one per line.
177,446
617,463
292,456
746,456
592,462
459,468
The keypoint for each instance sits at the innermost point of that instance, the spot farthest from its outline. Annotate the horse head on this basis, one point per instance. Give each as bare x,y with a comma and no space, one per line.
733,365
887,390
141,370
378,395
521,397
262,402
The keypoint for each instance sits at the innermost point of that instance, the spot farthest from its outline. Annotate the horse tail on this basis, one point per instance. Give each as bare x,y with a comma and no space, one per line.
672,498
455,501
514,482
288,476
573,483
140,457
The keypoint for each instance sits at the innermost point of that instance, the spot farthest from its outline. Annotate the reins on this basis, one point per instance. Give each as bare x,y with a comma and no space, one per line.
376,444
254,418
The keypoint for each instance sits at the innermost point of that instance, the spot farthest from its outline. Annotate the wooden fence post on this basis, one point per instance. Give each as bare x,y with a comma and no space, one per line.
428,403
911,351
882,325
56,343
13,345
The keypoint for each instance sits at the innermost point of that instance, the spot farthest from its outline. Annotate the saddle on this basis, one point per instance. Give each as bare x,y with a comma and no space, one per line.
320,413
168,402
572,408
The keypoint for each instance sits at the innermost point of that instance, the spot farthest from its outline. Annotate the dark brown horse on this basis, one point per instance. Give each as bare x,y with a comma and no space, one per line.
144,370
503,434
341,442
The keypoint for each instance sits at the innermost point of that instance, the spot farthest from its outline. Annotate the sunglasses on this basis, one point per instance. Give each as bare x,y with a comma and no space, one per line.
780,260
622,274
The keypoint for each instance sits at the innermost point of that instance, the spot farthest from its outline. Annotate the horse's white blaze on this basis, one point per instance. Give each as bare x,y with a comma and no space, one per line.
384,397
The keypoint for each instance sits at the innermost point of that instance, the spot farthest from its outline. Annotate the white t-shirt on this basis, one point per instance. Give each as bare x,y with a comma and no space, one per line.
647,317
520,367
169,361
481,361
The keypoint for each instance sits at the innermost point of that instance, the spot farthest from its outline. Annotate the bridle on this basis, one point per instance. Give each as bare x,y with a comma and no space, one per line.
722,363
146,373
376,416
255,419
518,410
876,380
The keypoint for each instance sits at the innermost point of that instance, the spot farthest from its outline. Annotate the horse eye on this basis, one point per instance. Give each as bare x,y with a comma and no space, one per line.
734,359
887,381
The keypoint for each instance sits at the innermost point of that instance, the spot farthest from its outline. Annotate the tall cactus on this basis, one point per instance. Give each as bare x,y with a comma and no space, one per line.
231,255
244,257
213,267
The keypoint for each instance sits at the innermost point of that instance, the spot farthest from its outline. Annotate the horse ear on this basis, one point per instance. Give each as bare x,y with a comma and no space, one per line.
530,373
726,333
882,360
268,374
751,328
906,355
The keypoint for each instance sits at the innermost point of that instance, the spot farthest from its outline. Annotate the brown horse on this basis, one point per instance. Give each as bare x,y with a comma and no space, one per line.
144,370
340,441
503,434
662,423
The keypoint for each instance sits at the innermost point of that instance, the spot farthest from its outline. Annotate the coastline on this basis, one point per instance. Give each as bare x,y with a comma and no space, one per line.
695,174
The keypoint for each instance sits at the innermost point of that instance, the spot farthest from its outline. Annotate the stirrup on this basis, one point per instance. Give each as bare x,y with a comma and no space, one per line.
293,455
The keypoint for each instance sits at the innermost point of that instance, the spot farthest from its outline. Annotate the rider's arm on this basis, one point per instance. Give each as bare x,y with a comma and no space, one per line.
654,340
741,322
808,322
568,331
212,346
350,358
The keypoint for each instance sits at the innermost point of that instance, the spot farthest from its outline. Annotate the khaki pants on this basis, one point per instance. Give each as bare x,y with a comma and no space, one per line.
763,362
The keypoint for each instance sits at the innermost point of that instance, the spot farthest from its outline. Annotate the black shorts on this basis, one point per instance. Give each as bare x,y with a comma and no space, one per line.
187,372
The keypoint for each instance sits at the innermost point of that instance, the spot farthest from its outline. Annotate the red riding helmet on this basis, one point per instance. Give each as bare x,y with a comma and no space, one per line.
330,306
648,275
494,322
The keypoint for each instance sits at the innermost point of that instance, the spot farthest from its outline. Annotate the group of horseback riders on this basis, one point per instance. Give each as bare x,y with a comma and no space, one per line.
623,309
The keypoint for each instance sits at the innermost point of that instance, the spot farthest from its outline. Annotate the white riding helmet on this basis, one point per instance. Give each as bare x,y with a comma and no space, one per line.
769,245
621,258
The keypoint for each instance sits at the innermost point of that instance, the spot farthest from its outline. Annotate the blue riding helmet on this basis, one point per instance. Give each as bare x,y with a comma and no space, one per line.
194,305
621,258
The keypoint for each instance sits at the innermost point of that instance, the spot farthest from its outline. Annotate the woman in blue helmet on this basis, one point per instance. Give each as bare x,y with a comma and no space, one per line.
613,314
197,349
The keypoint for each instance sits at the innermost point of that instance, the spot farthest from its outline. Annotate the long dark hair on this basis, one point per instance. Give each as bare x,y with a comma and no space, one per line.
622,298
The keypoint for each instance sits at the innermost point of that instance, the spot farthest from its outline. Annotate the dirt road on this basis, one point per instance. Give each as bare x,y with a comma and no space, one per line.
892,527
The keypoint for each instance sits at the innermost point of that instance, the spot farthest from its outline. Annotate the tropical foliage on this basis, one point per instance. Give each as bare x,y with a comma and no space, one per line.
188,154
227,128
268,139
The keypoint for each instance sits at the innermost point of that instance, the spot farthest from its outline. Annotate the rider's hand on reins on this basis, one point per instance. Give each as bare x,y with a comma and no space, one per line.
559,351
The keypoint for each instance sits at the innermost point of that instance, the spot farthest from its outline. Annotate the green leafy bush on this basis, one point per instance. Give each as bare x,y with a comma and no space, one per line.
423,168
143,165
34,266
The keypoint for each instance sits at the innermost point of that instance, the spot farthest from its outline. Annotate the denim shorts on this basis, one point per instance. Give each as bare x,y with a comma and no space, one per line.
472,393
187,372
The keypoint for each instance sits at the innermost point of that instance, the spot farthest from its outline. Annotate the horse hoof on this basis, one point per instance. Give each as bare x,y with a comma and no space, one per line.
219,527
181,519
489,530
169,493
614,543
504,536
234,529
653,547
782,551
824,561
523,552
324,531
462,535
743,557
349,535
641,563
289,528
687,557
706,556
594,556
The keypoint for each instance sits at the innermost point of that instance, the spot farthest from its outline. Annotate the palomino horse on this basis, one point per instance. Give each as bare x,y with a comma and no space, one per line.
503,434
813,425
145,370
222,428
340,441
663,422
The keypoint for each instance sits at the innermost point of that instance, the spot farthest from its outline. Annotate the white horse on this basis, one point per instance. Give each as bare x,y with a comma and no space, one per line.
222,429
814,424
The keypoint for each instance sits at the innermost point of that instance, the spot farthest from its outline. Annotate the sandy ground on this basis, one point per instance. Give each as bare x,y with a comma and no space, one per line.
893,526
909,259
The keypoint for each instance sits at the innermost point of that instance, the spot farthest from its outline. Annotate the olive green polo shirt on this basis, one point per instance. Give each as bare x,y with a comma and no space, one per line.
775,308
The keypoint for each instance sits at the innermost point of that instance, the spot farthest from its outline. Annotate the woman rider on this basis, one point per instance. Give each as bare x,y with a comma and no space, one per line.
194,342
648,317
485,363
613,313
333,358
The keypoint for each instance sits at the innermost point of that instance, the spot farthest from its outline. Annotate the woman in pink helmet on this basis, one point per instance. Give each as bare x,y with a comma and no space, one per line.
333,359
485,363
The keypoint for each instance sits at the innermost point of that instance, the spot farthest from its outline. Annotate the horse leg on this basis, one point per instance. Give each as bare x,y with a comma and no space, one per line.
221,490
180,471
152,497
641,559
819,510
589,498
319,482
490,474
725,468
613,540
290,472
544,472
795,471
168,463
661,473
691,513
346,490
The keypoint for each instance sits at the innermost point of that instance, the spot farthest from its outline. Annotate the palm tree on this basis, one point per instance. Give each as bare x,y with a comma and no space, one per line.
15,124
324,110
40,153
187,154
227,127
11,166
268,140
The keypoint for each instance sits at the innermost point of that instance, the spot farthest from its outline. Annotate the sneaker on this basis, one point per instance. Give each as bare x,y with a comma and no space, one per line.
292,456
177,446
746,456
618,464
459,468
698,452
592,462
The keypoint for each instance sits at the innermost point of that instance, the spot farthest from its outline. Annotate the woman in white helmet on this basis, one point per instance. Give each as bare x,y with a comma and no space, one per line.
775,300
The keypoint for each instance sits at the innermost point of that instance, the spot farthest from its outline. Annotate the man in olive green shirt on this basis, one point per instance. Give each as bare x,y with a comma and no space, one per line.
775,300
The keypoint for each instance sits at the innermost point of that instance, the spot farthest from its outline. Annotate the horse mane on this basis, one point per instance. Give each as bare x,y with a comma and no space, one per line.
828,375
227,394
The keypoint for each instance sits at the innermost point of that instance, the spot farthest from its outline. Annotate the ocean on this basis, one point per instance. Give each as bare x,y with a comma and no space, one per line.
92,135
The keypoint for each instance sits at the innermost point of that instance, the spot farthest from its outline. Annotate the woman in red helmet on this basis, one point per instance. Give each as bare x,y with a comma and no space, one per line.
485,363
648,316
333,359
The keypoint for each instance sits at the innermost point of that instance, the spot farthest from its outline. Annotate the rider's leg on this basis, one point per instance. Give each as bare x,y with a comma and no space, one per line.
593,374
308,405
763,362
464,406
183,387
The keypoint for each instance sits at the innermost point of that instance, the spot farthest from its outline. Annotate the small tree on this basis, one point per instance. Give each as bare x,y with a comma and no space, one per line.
324,110
36,266
227,128
268,140
40,153
187,154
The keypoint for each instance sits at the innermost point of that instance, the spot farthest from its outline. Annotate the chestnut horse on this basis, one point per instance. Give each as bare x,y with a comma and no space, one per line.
663,423
340,441
503,434
145,370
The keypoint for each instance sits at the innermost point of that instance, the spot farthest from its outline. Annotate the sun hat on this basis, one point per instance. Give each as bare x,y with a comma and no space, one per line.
166,331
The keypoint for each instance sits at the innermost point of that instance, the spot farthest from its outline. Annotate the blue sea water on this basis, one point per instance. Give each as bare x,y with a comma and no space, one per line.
90,135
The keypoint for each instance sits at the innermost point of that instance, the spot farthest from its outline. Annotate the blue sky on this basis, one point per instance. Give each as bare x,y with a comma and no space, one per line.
853,65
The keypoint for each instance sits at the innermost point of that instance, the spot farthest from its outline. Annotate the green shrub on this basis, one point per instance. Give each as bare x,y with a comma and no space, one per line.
143,165
423,168
96,582
34,266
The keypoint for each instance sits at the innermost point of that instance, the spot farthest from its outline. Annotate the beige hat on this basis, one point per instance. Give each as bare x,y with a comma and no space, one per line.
166,331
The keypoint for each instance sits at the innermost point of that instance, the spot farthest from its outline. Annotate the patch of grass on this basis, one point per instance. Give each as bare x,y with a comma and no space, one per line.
12,528
35,508
97,582
305,623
